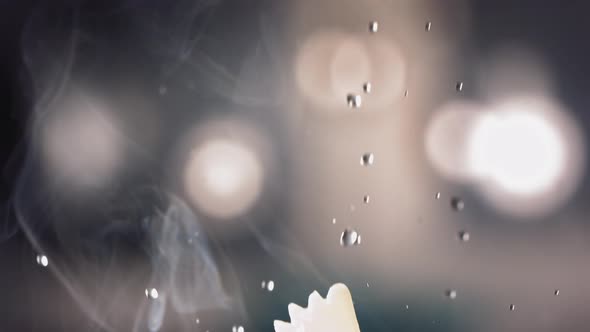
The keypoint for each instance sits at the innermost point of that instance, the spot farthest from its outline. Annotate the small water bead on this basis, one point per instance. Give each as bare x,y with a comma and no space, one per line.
428,26
42,260
464,236
151,293
162,89
270,286
459,86
556,292
236,328
368,285
437,195
451,294
354,101
512,307
367,159
373,26
407,307
367,87
198,321
334,221
406,93
263,284
457,204
366,199
349,237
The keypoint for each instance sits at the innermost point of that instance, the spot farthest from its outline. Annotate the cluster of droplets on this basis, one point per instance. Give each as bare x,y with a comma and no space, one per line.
268,285
237,328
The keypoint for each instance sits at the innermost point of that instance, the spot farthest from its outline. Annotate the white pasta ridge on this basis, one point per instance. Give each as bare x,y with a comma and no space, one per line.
334,313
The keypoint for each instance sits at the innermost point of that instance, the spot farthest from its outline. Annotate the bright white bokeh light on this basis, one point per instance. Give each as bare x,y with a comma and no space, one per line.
223,177
519,149
524,154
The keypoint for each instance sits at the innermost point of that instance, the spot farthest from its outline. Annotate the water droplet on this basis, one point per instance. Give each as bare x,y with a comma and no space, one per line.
464,236
437,196
151,293
556,292
457,204
263,284
407,307
162,89
334,221
354,101
366,199
42,260
428,26
451,294
270,286
512,307
459,86
406,93
373,26
368,285
237,328
350,238
367,87
198,321
367,159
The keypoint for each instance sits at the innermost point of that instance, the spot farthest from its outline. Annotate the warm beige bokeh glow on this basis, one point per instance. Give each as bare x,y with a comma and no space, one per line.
223,177
223,164
80,143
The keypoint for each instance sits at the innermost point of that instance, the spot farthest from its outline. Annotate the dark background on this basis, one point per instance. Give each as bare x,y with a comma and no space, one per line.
557,30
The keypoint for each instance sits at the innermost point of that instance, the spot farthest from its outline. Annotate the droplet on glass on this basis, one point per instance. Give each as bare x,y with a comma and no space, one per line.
406,93
263,284
367,87
368,285
354,101
270,285
151,293
459,86
512,307
162,89
349,237
198,321
407,307
457,204
367,159
236,328
42,260
451,294
366,199
556,292
437,195
464,236
428,26
373,26
334,221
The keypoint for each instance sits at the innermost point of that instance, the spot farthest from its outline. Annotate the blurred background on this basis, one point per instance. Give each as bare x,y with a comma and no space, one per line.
199,165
